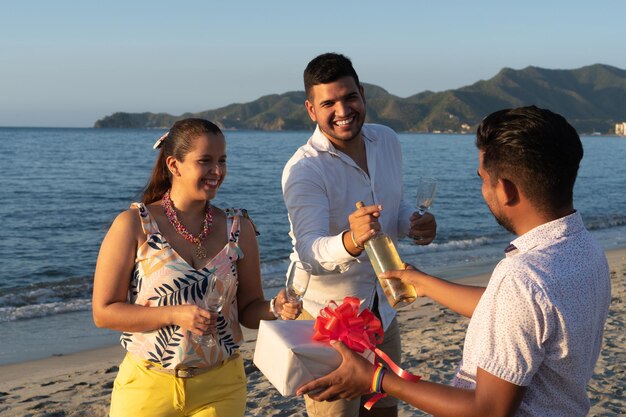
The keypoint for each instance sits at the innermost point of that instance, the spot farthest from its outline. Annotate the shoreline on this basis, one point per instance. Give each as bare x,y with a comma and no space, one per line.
80,383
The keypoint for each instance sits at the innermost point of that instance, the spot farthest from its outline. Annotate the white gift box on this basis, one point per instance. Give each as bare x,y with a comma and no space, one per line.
289,357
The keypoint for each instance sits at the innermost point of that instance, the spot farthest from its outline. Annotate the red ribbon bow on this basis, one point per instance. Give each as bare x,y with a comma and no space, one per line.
343,322
357,331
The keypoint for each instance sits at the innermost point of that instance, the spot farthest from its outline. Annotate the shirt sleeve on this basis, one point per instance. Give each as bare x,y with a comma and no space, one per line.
514,329
307,203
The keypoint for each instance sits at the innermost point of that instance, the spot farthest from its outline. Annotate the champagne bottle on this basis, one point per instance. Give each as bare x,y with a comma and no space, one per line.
384,257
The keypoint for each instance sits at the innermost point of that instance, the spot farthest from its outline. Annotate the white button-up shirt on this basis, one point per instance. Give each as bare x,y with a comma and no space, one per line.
321,186
540,321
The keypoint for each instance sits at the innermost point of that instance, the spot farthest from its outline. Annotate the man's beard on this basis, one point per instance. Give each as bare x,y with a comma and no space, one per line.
503,221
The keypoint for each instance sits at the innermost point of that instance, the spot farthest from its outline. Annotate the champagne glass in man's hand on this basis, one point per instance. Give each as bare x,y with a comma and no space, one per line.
425,195
426,188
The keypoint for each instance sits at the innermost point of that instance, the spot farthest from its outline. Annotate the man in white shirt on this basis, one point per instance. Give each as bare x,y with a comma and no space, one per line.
343,162
536,331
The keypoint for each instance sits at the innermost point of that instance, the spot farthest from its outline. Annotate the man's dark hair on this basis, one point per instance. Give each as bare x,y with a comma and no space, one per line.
536,149
327,68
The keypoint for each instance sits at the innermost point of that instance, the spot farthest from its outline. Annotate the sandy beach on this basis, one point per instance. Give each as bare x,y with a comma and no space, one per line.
80,384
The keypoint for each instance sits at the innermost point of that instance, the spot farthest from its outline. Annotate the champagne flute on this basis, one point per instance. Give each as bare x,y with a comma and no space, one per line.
425,194
216,294
298,276
426,188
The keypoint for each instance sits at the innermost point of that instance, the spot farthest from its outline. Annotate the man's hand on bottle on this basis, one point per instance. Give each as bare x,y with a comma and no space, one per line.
364,223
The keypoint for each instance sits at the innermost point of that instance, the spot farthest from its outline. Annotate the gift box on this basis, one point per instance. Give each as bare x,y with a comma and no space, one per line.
292,353
289,357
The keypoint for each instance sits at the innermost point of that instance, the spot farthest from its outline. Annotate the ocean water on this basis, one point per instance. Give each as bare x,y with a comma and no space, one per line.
63,188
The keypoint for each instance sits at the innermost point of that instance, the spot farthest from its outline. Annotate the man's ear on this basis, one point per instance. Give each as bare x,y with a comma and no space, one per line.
311,110
508,192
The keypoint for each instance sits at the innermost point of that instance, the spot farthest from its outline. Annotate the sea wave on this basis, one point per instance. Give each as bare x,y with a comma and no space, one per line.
32,311
600,222
46,292
27,301
408,247
273,272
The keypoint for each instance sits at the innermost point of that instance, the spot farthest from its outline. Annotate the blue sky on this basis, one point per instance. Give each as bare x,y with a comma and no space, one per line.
69,63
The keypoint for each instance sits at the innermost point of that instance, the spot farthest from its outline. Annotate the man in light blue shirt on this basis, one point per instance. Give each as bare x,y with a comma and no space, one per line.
343,162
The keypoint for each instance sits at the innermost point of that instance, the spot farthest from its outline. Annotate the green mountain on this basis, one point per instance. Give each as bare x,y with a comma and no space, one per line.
592,98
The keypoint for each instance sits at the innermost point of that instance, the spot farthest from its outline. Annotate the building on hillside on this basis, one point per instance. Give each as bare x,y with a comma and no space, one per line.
620,129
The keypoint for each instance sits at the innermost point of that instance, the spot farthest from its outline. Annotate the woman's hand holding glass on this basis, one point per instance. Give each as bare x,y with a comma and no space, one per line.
289,300
286,309
298,277
217,293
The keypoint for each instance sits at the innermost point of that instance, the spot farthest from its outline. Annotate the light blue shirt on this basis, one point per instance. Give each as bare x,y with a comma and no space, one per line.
540,321
320,187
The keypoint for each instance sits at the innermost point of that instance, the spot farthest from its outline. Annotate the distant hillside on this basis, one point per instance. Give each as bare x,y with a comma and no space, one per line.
592,98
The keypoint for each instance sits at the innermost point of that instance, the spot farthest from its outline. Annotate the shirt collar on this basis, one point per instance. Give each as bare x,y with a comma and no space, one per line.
547,232
510,249
320,142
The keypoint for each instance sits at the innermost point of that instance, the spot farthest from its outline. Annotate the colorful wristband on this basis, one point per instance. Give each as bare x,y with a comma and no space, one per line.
377,379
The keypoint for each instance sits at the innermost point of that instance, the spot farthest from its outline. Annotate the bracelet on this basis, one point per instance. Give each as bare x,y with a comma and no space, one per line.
273,308
377,379
354,241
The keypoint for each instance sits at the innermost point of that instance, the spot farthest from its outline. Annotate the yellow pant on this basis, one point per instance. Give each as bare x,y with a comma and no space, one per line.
139,392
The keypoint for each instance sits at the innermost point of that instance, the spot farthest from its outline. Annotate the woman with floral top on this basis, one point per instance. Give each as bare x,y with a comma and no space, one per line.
157,263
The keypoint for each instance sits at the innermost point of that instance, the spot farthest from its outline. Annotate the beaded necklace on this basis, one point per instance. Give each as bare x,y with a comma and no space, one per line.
170,212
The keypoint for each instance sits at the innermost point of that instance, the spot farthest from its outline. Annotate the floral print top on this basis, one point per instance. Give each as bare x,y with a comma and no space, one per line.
162,277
